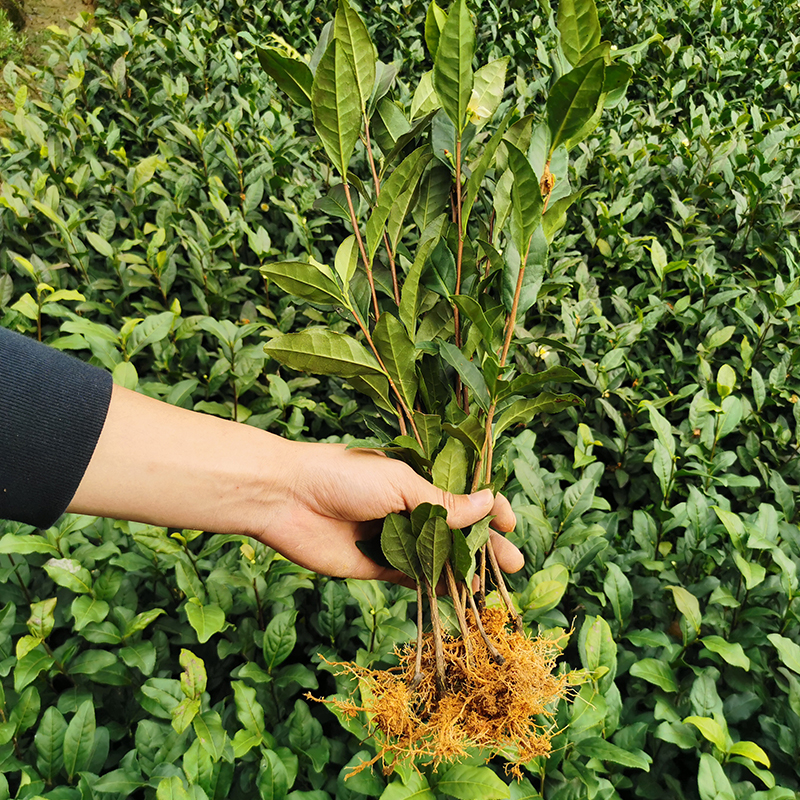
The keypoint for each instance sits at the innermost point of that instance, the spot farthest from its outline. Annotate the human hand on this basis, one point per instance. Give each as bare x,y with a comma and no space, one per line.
335,497
167,466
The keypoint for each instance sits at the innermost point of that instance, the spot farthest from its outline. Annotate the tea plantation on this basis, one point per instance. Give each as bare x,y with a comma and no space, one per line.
149,167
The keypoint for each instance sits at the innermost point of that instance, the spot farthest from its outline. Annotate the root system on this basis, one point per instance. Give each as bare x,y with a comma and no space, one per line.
496,705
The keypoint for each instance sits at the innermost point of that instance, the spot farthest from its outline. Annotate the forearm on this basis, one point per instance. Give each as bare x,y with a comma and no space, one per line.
164,465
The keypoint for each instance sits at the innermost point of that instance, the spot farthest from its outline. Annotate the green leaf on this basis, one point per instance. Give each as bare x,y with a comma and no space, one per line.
712,783
398,355
521,412
90,662
479,170
210,733
656,672
424,100
750,750
205,619
280,638
42,618
450,467
433,548
49,740
434,22
397,190
79,739
122,782
322,351
248,709
688,605
346,260
336,106
352,37
788,651
711,730
573,101
69,573
304,280
272,780
472,783
144,171
487,91
193,678
545,589
141,656
25,711
595,747
171,789
468,371
452,64
527,383
100,244
579,28
27,668
23,545
618,590
399,545
142,620
526,199
410,294
462,559
733,524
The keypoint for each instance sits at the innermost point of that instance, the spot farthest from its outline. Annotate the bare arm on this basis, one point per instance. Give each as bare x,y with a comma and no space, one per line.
167,466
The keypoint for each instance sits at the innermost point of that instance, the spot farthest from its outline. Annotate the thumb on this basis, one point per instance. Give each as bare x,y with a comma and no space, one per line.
462,509
466,509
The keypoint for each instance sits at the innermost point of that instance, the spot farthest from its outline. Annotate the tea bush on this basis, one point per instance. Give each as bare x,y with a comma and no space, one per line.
149,169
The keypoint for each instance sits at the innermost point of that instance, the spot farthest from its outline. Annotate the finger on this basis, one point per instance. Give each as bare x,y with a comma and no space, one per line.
504,518
509,557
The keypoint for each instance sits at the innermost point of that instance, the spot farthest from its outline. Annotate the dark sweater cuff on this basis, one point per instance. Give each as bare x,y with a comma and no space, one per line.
52,410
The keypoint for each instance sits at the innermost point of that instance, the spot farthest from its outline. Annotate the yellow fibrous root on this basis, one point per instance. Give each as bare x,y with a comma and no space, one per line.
503,707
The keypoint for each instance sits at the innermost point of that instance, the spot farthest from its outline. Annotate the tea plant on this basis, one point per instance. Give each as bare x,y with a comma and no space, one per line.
451,227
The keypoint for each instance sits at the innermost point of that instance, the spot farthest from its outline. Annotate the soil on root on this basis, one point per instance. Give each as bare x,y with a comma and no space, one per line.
496,707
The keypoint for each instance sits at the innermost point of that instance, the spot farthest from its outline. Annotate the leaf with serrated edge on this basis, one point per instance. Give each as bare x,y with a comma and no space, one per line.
521,412
433,548
468,371
79,739
408,171
398,355
323,352
452,64
579,28
292,75
351,34
487,91
450,467
336,106
479,170
304,280
399,545
526,199
462,559
573,101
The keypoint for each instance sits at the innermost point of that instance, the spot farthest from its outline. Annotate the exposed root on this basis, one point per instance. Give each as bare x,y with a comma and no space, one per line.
503,707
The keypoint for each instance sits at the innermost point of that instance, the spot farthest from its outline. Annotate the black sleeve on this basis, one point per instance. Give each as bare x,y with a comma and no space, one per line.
52,409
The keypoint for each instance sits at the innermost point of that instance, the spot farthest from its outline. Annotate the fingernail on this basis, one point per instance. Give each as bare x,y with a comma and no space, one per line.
481,498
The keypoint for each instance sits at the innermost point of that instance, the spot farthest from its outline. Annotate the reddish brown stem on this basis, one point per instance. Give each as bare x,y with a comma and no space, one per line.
501,585
462,620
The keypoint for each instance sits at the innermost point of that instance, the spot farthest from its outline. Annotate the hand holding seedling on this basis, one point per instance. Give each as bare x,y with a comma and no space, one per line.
171,467
336,497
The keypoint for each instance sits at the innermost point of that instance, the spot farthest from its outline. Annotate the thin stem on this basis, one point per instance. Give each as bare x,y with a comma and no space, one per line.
460,253
462,620
377,183
418,676
367,265
486,640
365,330
437,638
501,585
482,579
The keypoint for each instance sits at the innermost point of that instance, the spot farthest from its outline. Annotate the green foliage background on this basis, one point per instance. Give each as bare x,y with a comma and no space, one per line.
146,177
